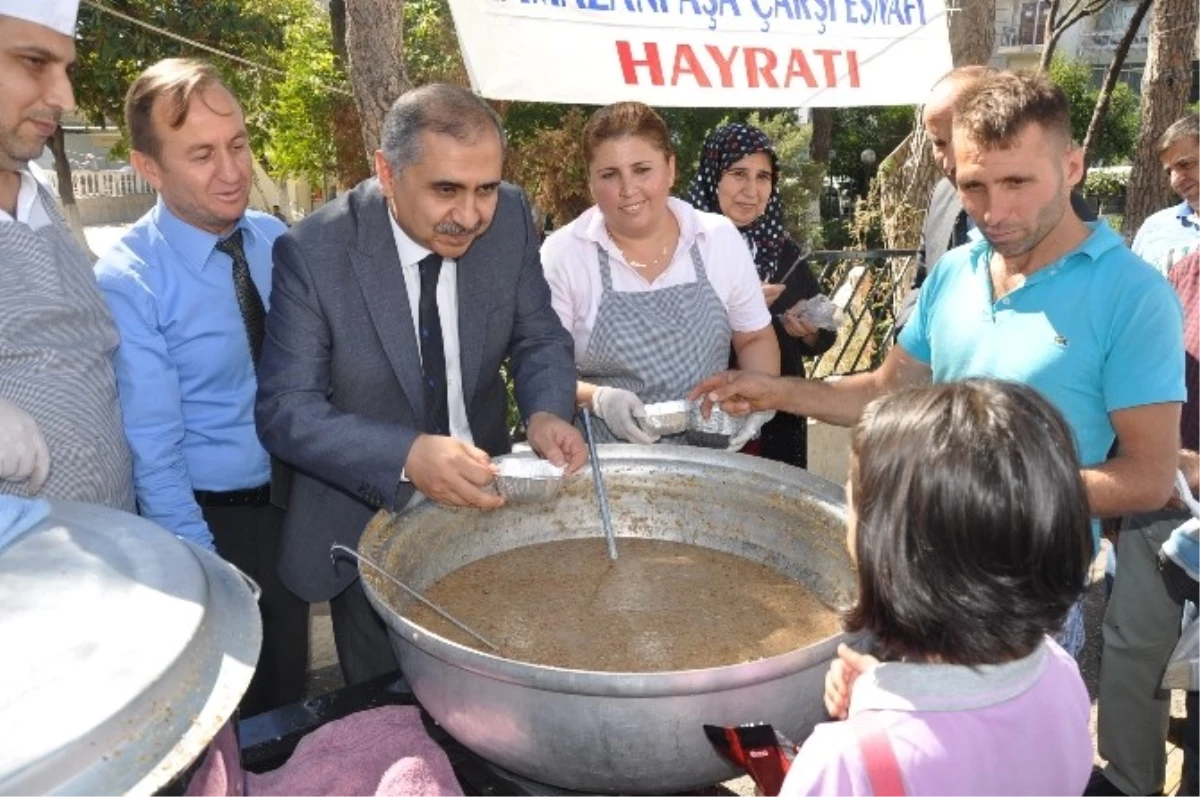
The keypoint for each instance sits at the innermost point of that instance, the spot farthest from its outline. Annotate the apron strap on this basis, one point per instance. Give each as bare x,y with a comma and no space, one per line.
879,757
698,262
605,269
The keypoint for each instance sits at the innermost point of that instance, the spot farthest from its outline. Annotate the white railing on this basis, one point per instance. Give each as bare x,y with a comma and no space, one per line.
104,183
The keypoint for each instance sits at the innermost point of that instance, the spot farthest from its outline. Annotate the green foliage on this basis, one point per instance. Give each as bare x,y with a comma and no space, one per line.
855,130
1105,183
1118,132
301,116
288,116
689,127
431,53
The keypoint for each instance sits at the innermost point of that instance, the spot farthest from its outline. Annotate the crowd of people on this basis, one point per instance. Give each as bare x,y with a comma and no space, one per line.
262,391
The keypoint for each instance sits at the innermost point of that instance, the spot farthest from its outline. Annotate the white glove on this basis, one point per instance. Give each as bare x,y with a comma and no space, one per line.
755,421
24,456
620,409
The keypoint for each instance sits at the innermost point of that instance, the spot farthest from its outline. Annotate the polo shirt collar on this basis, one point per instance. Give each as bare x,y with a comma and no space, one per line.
901,686
191,244
1101,240
1184,212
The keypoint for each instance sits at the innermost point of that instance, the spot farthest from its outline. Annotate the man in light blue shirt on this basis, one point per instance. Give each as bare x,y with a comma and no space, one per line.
188,287
1170,234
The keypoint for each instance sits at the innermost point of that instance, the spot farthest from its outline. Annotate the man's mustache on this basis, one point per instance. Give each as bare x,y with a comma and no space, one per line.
47,116
453,228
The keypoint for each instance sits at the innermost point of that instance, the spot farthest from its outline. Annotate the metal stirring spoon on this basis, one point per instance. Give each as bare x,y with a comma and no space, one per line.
337,548
599,482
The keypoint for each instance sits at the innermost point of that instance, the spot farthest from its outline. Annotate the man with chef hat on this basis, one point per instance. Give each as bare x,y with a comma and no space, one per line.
60,423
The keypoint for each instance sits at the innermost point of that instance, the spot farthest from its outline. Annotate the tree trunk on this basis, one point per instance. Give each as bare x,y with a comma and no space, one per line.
1050,37
1048,50
822,135
906,177
337,25
353,163
1165,86
375,47
66,190
1110,80
1058,23
973,32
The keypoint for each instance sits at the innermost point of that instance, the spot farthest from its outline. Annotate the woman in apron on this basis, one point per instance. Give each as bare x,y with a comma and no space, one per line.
653,292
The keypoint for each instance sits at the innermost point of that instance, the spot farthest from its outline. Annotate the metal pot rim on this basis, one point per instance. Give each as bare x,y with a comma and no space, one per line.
623,684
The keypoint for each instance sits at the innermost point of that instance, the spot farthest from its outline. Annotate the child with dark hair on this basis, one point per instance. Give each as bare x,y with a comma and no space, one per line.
969,524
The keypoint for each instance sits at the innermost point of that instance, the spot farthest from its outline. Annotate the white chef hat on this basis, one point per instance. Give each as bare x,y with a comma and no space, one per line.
57,15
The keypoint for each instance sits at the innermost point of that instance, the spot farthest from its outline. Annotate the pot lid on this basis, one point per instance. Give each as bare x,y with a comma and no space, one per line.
125,650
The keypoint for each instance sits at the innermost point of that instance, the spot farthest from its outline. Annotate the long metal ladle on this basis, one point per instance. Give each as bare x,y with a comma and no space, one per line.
337,548
599,482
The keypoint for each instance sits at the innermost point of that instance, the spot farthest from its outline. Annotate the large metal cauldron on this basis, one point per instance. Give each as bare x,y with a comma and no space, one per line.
622,732
125,650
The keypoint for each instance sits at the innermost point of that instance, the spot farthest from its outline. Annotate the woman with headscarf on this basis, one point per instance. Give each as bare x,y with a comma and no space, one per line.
738,176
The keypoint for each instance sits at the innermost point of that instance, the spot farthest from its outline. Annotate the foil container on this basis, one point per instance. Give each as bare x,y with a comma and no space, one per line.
527,480
715,431
665,418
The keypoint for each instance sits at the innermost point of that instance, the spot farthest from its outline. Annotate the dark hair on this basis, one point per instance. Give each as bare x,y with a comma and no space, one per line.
440,108
973,537
176,80
995,110
1186,127
626,119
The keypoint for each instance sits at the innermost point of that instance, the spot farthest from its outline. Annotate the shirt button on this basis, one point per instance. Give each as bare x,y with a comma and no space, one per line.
1006,302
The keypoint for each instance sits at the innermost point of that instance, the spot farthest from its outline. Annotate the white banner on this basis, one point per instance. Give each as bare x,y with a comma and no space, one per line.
705,53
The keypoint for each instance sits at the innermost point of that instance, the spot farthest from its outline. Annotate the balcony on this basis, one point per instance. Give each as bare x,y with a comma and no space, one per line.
1104,42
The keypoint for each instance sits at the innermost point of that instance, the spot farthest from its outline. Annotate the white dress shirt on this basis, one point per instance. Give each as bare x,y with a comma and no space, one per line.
29,209
411,254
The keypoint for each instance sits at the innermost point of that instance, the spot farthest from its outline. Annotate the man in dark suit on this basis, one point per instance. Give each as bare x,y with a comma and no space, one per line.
946,222
392,310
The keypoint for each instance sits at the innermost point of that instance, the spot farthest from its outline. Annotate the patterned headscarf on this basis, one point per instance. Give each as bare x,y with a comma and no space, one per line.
724,147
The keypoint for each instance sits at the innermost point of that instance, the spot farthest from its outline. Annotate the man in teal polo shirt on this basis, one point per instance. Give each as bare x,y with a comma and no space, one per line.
1043,299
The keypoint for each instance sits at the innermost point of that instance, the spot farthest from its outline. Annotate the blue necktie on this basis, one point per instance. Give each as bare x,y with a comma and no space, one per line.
433,352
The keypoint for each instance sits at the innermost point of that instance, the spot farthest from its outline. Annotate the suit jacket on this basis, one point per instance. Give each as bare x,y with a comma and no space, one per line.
944,229
340,393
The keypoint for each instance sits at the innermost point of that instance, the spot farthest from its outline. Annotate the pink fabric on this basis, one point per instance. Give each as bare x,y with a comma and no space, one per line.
221,773
383,751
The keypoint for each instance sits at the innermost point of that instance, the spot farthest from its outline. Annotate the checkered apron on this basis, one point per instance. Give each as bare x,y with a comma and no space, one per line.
657,344
56,349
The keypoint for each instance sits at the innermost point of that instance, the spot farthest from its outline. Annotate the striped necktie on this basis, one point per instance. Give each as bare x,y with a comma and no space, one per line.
254,316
